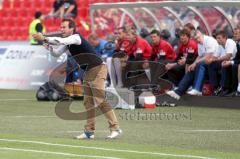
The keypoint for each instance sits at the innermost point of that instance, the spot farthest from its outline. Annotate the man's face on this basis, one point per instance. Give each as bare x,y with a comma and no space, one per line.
120,34
236,34
65,30
184,39
221,40
155,39
130,37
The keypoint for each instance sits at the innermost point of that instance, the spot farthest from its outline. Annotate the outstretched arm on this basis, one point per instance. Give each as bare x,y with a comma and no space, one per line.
56,52
72,39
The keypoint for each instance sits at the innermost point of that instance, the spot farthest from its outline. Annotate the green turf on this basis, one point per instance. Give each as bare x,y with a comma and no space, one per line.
22,118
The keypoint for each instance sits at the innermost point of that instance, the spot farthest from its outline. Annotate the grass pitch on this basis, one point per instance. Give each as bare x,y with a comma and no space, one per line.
31,129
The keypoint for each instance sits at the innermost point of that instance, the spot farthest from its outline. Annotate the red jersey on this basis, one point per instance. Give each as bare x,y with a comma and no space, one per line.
190,51
140,46
163,51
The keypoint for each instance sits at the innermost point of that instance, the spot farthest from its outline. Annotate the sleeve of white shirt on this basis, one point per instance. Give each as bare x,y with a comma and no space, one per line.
72,39
230,47
58,51
211,46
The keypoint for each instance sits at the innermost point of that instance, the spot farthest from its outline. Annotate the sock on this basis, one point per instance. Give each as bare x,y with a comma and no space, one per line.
111,71
118,68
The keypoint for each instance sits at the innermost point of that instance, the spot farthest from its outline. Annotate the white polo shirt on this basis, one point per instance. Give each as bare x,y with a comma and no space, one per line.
229,48
210,45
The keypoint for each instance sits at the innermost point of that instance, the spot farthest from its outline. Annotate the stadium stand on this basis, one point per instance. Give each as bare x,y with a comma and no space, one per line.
16,15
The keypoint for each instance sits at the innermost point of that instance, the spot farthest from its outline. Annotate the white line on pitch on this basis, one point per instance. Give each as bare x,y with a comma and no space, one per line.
33,116
55,153
17,100
106,149
209,130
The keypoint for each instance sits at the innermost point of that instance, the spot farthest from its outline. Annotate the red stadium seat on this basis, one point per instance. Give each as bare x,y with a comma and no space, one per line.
22,12
48,3
6,3
5,12
17,3
28,4
13,12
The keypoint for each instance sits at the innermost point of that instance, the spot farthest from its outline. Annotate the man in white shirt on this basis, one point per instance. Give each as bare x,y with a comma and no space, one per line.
208,48
94,79
231,67
228,50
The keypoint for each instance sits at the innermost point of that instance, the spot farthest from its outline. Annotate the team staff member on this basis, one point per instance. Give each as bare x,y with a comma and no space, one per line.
234,72
228,52
161,50
138,49
119,58
187,53
36,26
95,76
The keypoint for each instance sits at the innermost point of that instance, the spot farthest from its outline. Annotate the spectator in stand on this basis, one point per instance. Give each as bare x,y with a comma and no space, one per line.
207,48
162,51
97,43
36,26
55,12
69,9
228,50
233,74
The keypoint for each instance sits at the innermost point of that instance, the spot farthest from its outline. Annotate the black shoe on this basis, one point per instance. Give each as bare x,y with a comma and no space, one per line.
217,91
224,93
231,94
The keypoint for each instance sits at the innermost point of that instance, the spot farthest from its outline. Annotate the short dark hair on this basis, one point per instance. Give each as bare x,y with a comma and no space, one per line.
185,32
38,14
154,31
237,28
189,26
222,33
71,23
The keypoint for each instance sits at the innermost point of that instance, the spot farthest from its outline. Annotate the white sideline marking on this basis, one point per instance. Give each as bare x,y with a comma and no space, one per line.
106,149
55,153
33,116
17,100
209,130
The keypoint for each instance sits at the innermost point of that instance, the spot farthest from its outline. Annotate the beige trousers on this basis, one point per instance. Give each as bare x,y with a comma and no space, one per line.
94,96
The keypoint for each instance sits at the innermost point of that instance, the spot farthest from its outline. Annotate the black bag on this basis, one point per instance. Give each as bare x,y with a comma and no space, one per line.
50,91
